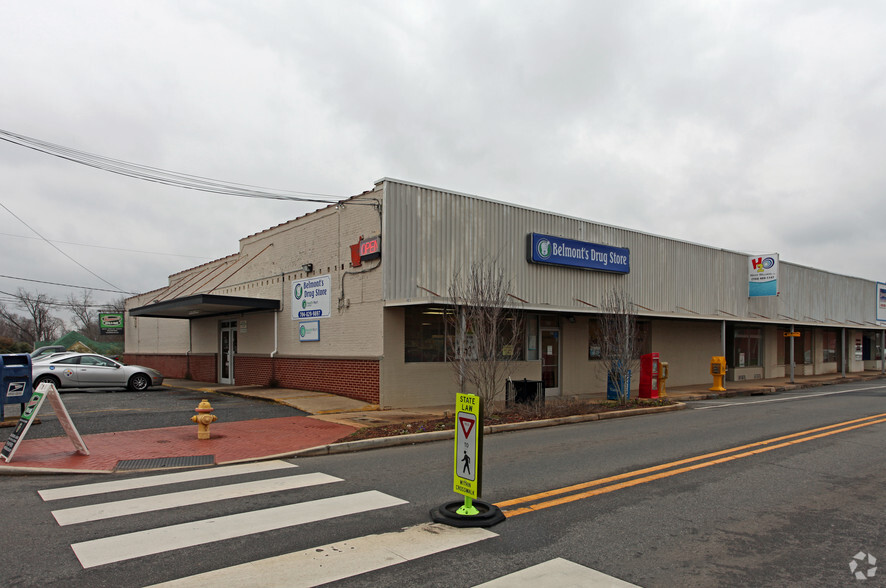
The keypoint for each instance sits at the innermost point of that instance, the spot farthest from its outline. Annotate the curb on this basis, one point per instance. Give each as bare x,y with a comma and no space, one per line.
769,390
30,471
411,439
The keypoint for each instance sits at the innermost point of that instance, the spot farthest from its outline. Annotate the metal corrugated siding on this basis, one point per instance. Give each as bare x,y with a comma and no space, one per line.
430,234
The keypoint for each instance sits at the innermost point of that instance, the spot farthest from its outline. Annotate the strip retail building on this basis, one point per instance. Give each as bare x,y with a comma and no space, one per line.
352,299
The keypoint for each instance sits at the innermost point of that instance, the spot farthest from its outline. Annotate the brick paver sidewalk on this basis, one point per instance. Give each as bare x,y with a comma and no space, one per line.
232,441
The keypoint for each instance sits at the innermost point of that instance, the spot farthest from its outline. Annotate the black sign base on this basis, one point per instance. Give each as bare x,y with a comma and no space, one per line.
488,516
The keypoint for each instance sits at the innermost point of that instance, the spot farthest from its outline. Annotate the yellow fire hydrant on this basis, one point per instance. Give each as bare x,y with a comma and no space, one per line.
203,418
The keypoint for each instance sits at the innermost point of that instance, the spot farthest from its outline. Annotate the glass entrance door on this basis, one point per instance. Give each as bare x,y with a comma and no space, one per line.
227,351
550,360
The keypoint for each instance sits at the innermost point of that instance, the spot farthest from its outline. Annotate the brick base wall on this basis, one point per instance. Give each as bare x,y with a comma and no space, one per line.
353,378
201,368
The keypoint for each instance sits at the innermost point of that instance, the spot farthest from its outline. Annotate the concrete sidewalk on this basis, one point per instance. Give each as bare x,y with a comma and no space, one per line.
331,418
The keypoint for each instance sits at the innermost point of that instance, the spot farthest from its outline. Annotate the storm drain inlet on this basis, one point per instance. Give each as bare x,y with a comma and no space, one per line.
164,462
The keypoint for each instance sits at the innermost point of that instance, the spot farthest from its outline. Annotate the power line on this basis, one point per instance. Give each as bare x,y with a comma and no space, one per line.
169,178
60,251
66,285
109,248
16,300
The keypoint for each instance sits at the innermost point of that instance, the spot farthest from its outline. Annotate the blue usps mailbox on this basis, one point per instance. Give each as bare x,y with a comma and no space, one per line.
15,380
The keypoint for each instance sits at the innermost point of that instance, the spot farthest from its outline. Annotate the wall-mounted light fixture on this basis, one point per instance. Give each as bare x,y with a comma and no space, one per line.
307,267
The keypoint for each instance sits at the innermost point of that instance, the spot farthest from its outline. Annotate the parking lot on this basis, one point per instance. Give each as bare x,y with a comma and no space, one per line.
107,410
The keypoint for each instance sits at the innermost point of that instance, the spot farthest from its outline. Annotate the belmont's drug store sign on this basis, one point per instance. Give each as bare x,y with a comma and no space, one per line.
311,298
552,250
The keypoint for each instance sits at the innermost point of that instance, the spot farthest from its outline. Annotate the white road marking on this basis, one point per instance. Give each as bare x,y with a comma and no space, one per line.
131,545
162,479
107,510
787,399
336,561
558,572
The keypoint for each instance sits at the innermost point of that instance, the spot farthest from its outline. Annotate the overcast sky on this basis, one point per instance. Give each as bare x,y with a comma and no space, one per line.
757,127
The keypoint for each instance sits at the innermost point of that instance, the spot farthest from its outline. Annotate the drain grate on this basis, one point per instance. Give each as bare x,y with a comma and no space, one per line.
165,462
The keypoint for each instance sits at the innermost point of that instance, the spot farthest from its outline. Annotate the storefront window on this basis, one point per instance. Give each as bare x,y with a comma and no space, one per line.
426,333
802,348
430,334
531,326
747,347
642,339
510,338
829,345
594,346
872,346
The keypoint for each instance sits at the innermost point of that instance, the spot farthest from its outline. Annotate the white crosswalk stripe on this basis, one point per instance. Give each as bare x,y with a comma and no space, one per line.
558,572
107,510
162,479
336,561
122,547
307,567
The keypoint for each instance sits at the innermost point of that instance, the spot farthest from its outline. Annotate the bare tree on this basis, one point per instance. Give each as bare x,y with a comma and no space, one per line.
116,305
486,331
85,318
617,341
38,322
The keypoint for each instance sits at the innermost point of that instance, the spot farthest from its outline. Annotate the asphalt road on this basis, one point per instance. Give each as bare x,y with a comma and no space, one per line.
788,512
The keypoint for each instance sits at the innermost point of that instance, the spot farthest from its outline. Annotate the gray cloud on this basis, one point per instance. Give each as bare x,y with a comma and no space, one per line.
752,126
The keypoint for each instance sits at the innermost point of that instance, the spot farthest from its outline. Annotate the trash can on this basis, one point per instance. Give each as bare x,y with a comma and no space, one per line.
15,380
612,387
524,392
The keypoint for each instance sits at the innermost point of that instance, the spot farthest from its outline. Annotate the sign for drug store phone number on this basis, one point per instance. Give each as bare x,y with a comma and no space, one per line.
552,250
311,298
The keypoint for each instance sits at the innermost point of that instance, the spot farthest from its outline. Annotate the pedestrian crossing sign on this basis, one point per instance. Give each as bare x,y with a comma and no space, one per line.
468,445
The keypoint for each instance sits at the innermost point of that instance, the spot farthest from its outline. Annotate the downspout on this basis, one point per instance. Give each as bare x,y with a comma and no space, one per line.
276,327
843,352
277,318
188,373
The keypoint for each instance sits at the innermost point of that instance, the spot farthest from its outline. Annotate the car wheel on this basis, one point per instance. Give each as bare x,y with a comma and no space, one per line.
49,380
139,382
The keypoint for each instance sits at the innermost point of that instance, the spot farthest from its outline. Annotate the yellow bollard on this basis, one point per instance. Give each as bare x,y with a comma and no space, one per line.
204,419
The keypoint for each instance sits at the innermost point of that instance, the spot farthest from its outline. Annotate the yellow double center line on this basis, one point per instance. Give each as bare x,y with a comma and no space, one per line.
545,499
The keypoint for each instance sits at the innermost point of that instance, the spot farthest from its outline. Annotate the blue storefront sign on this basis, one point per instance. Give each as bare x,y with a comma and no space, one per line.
571,253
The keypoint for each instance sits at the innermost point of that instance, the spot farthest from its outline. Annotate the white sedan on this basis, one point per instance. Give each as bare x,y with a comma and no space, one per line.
88,370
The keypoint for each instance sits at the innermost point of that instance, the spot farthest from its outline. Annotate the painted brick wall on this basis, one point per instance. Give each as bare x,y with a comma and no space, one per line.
202,367
353,378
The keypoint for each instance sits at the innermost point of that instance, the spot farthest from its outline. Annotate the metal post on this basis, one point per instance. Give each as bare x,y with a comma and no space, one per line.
792,353
883,352
723,338
462,325
843,352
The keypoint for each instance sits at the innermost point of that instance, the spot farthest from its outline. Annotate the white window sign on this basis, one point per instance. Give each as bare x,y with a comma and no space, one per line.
311,298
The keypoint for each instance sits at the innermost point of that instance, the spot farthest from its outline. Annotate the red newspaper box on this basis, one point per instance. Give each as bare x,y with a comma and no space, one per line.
650,368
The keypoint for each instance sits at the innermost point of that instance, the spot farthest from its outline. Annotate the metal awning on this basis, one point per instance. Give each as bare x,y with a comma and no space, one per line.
205,305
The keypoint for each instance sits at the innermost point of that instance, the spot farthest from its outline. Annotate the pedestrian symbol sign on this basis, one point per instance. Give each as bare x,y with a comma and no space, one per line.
468,445
468,434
